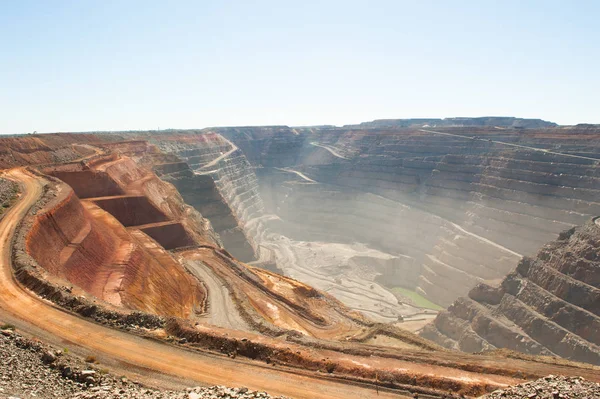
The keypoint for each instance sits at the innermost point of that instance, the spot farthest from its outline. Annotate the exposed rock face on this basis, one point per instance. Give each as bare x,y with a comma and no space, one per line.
463,204
44,148
88,248
214,176
107,245
549,305
444,210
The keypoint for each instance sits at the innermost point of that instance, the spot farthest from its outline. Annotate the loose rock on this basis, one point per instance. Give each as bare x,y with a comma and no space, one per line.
550,387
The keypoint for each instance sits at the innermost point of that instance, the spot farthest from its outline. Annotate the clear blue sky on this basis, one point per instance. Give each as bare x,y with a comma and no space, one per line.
111,65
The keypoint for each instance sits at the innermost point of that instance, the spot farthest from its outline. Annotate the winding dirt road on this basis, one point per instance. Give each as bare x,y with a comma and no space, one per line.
222,311
302,175
151,361
222,156
331,149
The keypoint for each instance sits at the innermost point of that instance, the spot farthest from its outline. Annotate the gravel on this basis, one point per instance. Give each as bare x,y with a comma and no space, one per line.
8,190
550,387
32,370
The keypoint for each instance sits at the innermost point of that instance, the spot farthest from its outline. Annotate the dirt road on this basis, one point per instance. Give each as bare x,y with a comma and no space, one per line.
222,311
222,156
331,149
127,354
302,175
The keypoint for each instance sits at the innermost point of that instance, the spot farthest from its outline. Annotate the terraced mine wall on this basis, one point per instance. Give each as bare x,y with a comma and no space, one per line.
118,242
217,180
463,205
134,195
442,211
90,249
549,305
437,257
494,122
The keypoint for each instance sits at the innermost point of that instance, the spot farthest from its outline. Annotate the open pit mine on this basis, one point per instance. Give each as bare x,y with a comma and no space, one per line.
427,258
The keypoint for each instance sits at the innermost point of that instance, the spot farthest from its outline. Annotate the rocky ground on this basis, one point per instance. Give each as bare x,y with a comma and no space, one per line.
30,369
550,387
8,190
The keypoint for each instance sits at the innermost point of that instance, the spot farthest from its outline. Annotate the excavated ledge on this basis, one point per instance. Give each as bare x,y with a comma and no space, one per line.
546,305
170,235
131,210
457,211
81,244
29,273
88,183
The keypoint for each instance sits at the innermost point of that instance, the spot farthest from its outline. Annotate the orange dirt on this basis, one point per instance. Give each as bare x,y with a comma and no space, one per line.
89,248
42,149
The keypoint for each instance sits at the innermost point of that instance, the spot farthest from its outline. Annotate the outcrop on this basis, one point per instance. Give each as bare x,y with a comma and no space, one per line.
548,305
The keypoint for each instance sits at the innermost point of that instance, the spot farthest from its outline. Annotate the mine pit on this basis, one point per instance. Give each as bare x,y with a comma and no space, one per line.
379,244
397,224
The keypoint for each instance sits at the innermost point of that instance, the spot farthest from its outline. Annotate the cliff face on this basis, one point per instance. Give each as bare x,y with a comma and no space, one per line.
358,211
214,176
111,234
460,205
549,305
